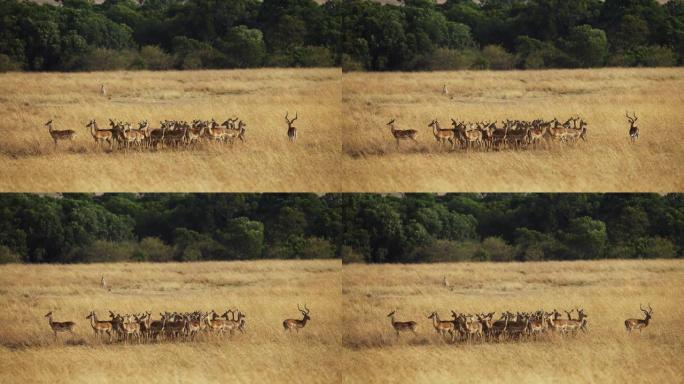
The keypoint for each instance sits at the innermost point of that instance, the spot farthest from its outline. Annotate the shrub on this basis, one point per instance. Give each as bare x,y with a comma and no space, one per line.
317,248
313,57
655,247
154,58
153,249
8,65
496,249
349,255
443,59
102,59
101,251
496,57
446,251
7,256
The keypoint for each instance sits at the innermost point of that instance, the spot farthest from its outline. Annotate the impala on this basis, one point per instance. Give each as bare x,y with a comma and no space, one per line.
633,129
214,324
442,327
130,326
296,324
65,326
402,134
468,137
639,324
443,135
238,323
56,135
193,326
100,327
100,135
537,132
402,326
471,326
291,129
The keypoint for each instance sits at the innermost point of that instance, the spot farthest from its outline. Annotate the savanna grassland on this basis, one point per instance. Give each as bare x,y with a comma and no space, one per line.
609,292
607,162
266,162
267,291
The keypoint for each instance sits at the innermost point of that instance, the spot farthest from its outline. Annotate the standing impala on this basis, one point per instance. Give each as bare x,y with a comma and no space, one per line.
56,135
402,134
402,326
100,327
291,129
296,324
100,135
633,129
443,135
631,324
443,327
65,326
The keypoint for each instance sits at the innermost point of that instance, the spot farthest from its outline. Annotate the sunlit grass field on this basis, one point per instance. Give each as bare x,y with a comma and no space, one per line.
260,97
609,292
606,162
266,291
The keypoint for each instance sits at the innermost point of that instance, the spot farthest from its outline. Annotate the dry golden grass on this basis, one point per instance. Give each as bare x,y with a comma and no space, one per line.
608,162
267,162
267,291
609,291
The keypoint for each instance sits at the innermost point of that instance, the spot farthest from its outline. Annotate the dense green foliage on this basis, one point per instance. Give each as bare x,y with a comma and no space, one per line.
354,227
357,34
165,34
503,34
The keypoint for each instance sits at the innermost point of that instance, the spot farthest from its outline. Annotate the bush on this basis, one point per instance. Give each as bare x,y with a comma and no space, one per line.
653,56
8,65
317,248
7,256
441,251
101,251
154,58
349,255
496,249
496,57
312,57
349,64
153,249
655,248
444,59
102,59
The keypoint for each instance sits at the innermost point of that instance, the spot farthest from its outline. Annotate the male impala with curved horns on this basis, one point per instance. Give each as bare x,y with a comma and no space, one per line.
633,129
290,324
291,129
65,326
631,324
402,134
402,326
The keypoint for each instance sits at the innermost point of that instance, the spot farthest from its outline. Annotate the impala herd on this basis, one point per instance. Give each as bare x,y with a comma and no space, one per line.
513,134
176,326
487,135
170,134
482,327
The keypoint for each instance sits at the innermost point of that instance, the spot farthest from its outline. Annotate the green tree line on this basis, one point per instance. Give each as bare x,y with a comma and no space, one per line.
354,34
506,34
354,227
167,34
